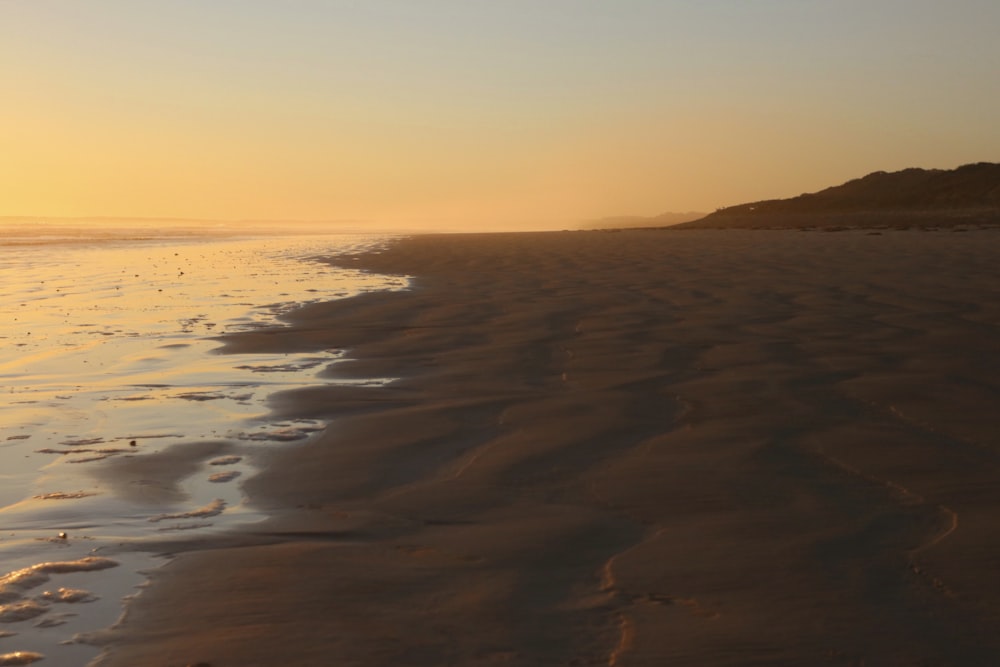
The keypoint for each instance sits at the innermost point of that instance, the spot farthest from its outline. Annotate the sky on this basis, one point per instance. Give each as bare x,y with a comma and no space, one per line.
479,114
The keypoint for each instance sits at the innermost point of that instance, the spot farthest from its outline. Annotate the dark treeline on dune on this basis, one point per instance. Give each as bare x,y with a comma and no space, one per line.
968,195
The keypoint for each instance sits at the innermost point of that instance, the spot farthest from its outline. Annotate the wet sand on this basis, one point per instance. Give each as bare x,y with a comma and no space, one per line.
118,424
633,448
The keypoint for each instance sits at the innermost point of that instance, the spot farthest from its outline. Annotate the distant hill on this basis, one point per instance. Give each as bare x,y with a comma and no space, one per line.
633,221
968,195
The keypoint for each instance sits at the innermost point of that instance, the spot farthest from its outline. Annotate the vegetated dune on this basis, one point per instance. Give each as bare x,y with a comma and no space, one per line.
968,195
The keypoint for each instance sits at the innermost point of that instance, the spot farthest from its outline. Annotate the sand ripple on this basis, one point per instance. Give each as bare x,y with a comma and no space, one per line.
20,658
68,595
225,460
13,584
211,509
221,477
20,611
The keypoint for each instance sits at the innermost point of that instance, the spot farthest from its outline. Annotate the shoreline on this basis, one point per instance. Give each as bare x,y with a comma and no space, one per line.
119,425
627,448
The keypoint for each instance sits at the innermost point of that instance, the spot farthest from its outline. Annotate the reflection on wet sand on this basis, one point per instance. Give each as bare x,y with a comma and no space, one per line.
115,407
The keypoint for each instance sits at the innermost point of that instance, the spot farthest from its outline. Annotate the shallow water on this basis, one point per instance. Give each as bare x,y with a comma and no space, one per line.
105,358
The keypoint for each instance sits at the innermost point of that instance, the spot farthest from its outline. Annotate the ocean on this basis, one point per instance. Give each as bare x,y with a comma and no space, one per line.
108,342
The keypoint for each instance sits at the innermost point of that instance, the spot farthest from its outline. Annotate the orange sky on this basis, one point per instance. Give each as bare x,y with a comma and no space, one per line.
475,114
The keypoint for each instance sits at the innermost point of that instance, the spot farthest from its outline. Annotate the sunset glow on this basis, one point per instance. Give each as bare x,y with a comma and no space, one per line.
476,115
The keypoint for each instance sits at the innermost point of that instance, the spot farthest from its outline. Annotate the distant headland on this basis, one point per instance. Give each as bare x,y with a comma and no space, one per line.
966,196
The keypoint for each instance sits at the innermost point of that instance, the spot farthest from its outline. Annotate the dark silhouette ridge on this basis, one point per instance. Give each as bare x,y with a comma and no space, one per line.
968,195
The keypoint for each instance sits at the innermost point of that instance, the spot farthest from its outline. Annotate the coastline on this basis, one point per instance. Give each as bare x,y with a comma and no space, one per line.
119,426
621,448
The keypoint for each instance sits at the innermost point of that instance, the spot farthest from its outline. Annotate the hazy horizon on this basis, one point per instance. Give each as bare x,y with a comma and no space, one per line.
348,226
474,116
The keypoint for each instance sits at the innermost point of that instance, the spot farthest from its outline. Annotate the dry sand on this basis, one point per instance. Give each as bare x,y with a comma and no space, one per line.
634,448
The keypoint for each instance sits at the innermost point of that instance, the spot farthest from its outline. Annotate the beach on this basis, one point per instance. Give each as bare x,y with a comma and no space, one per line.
633,448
